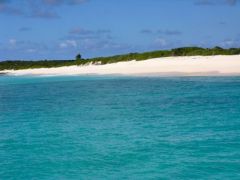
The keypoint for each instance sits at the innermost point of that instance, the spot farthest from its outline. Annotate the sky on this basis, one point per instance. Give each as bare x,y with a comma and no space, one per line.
60,29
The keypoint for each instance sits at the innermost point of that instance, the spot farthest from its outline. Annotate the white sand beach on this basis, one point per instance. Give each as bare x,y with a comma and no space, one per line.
184,66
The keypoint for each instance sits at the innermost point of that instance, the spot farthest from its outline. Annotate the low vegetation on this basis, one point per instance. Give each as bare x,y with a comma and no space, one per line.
185,51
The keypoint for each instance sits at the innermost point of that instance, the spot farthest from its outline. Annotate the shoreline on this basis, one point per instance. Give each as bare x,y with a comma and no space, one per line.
220,65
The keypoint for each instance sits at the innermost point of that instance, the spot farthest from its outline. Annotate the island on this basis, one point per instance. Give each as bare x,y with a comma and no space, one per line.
195,61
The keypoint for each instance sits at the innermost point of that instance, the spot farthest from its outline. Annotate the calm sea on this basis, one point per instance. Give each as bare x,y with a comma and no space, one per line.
119,127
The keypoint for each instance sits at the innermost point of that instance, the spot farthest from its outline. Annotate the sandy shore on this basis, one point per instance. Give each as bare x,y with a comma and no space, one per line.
192,66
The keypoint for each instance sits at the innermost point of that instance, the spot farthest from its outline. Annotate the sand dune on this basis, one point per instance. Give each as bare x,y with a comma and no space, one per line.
193,66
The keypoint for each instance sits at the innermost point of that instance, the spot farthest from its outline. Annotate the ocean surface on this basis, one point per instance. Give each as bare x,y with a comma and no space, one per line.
111,127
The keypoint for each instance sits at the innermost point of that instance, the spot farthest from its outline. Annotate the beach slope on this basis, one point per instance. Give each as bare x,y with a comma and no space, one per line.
186,66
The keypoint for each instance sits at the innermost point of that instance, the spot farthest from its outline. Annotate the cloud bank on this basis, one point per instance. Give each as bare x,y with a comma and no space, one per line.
217,2
45,9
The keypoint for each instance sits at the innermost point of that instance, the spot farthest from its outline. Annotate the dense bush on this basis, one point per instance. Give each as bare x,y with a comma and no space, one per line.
185,51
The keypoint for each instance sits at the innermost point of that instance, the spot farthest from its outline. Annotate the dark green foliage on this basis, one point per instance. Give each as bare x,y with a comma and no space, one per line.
34,64
78,57
185,51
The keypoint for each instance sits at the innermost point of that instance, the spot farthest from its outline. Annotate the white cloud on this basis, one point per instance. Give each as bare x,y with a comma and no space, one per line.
12,42
31,50
228,43
62,45
160,42
68,43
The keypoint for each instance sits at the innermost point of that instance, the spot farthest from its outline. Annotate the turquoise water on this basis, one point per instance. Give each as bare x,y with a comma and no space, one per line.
119,127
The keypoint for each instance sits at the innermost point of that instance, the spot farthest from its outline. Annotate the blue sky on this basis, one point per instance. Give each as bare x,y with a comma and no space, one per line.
59,29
